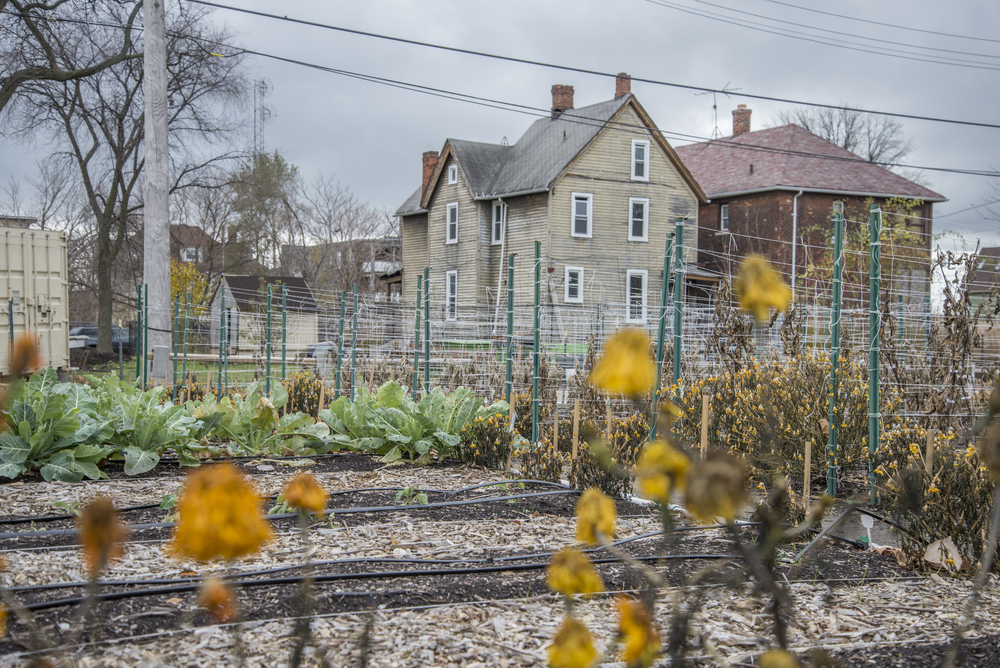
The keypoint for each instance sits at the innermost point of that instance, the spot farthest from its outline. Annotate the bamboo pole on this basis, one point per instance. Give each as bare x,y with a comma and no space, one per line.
608,421
807,476
322,396
838,271
576,427
555,428
929,457
705,399
874,328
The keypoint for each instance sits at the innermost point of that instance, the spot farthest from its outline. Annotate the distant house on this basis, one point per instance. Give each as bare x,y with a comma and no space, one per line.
987,276
331,267
246,310
771,191
598,186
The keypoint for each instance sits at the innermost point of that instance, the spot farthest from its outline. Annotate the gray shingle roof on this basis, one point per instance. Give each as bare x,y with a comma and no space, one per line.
494,170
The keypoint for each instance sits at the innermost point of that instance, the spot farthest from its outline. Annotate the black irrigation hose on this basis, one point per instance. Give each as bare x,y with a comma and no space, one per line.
335,577
147,506
329,511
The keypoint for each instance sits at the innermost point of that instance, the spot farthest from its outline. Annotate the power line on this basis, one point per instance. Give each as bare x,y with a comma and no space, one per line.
581,70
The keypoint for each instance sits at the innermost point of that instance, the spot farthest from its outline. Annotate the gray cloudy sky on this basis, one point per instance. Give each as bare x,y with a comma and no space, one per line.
371,136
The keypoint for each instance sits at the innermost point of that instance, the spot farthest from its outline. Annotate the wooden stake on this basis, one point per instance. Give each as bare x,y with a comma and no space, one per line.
607,435
705,399
555,429
807,476
511,417
576,427
322,396
929,457
291,393
371,377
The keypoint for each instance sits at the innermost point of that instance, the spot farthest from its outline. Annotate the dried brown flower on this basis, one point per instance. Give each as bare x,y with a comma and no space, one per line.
219,600
304,492
101,536
717,487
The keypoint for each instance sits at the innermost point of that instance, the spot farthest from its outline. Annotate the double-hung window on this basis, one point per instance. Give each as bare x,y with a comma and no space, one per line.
451,305
583,214
451,223
724,218
638,221
635,288
640,159
452,174
573,293
499,218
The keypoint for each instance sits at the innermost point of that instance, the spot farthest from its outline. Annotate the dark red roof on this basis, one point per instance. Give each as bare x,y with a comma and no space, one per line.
788,157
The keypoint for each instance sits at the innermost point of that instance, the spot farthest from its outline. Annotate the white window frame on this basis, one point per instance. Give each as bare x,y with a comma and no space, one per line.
723,217
498,209
644,143
452,174
628,295
632,201
579,286
590,215
448,239
191,254
451,299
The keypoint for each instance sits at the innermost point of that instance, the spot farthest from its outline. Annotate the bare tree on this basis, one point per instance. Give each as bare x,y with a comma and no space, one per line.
876,138
98,120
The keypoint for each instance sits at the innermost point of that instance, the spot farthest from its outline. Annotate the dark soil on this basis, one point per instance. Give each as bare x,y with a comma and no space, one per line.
976,653
88,359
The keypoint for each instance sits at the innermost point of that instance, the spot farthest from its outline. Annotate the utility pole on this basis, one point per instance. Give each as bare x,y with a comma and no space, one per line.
156,228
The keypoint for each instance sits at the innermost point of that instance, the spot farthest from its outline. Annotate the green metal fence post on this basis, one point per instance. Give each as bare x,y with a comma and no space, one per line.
416,341
173,342
284,329
536,353
187,325
874,326
267,346
661,332
138,334
427,330
340,344
354,340
509,354
222,340
832,419
145,338
678,301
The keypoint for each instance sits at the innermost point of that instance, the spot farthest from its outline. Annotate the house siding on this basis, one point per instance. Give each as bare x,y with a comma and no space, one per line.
463,256
413,230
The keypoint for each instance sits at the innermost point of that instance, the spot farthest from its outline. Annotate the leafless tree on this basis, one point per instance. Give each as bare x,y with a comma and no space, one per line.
876,138
97,121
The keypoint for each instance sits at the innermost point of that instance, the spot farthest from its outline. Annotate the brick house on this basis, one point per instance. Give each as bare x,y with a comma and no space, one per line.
772,190
598,186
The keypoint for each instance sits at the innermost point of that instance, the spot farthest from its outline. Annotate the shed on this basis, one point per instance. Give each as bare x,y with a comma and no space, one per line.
246,313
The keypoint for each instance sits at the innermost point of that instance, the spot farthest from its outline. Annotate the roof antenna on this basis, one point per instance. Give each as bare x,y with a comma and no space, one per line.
503,142
726,90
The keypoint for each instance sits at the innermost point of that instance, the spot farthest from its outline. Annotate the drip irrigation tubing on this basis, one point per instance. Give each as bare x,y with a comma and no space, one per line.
359,490
328,512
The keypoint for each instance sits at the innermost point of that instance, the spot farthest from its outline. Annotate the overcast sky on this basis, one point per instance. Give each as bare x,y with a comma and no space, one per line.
371,136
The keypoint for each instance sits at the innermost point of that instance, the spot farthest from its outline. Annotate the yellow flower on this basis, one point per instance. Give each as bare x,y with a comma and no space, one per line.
572,573
3,620
915,449
219,600
100,534
777,658
660,469
595,514
572,647
625,367
635,625
759,288
933,490
717,487
219,516
304,493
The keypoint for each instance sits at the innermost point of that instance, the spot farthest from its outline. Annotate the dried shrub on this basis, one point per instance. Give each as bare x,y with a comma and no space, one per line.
542,462
304,389
486,442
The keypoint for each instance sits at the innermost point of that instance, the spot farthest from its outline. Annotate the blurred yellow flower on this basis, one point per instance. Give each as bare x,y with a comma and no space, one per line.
572,647
219,600
3,620
100,534
635,625
717,487
572,573
220,516
777,658
625,367
595,514
759,288
661,468
304,492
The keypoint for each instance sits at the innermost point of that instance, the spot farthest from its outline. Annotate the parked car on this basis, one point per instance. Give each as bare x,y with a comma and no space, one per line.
120,337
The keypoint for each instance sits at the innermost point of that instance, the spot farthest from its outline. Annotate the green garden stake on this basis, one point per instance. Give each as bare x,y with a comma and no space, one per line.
340,345
284,328
267,346
509,387
416,342
138,335
354,340
222,337
536,356
874,325
145,338
187,325
838,272
661,334
427,330
173,342
678,301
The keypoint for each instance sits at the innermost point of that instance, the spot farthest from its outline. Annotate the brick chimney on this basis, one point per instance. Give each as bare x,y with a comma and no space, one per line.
741,119
623,84
562,99
430,162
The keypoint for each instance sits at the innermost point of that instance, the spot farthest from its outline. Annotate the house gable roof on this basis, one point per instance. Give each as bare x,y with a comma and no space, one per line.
541,154
790,157
250,292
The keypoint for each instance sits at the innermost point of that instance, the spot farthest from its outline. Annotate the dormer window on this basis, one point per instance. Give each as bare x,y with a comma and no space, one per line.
452,174
191,254
640,159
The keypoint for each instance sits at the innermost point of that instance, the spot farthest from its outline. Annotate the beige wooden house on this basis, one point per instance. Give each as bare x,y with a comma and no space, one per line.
246,314
598,186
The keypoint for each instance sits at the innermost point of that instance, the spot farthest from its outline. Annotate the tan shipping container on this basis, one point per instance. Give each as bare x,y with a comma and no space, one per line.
34,281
